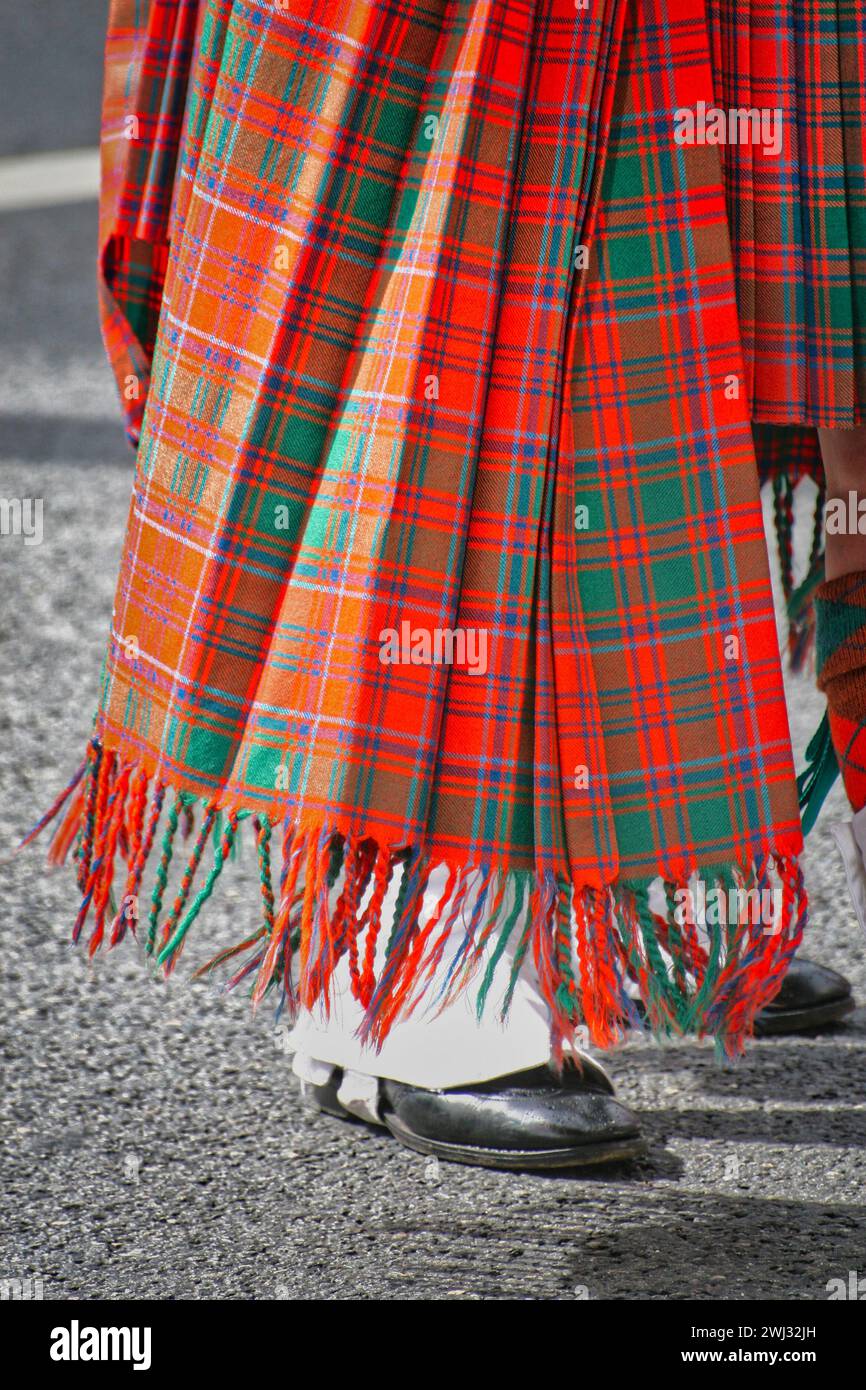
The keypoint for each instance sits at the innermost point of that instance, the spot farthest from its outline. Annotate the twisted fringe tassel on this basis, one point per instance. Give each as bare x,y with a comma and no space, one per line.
783,516
593,948
799,596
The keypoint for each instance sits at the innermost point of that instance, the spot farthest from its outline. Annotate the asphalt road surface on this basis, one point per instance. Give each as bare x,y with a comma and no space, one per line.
153,1141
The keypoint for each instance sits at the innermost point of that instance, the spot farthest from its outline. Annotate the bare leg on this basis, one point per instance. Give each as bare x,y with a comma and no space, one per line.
844,456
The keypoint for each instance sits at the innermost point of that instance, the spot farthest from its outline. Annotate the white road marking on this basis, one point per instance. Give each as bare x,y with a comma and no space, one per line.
47,180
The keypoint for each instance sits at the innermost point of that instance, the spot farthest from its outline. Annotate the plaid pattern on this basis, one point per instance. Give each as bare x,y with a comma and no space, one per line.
798,227
841,674
798,219
148,53
383,387
665,468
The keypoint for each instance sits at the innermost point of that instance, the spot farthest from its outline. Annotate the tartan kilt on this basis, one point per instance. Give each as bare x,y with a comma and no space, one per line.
798,232
798,216
423,321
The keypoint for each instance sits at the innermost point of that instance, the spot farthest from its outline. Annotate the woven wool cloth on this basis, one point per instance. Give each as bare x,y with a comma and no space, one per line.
798,227
425,328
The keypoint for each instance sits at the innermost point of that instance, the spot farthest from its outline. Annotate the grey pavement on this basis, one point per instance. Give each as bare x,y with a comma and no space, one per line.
153,1143
50,73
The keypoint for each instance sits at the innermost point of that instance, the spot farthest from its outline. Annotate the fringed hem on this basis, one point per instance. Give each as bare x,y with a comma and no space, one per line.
596,951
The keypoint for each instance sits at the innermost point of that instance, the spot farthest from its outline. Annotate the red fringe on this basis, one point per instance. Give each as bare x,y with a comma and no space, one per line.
586,942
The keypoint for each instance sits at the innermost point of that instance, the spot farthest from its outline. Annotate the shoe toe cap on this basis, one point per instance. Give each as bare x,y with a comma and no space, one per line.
563,1119
808,984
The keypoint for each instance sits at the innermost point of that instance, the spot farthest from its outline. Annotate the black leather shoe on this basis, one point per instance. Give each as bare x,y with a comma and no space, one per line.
811,997
531,1119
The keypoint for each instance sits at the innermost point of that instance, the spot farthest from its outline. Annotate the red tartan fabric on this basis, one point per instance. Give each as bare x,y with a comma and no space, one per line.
391,403
798,229
798,212
149,50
